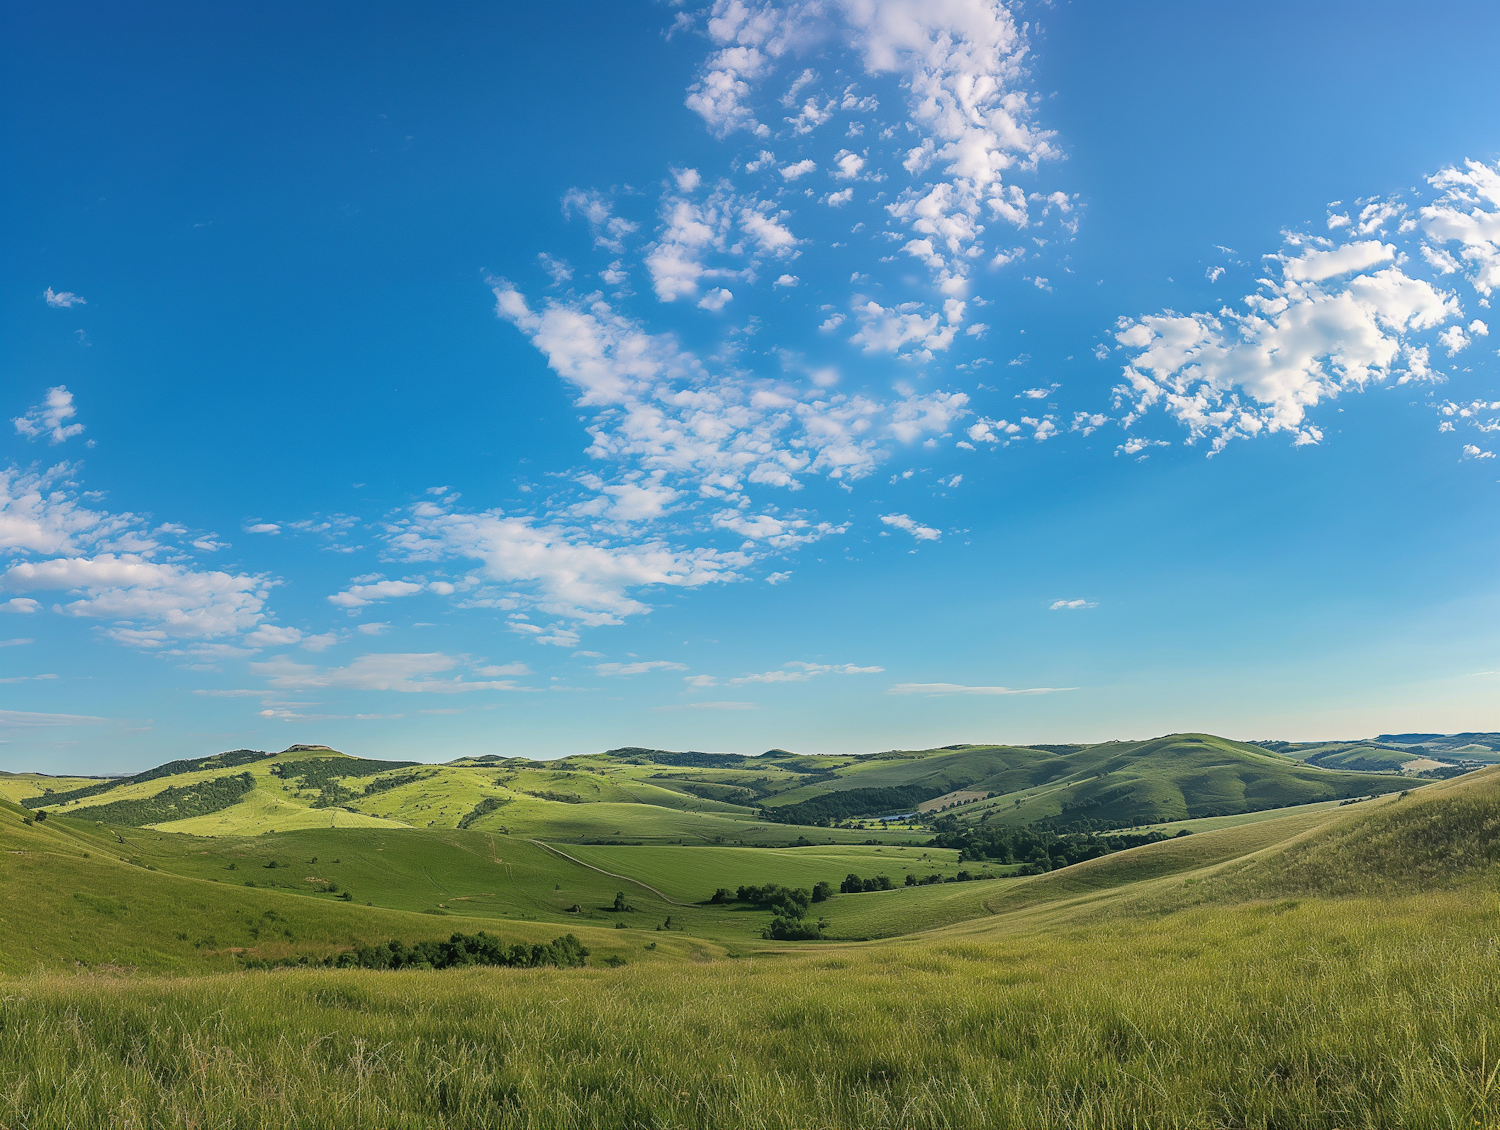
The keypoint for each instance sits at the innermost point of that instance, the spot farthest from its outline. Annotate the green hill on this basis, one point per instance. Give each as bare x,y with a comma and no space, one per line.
1113,784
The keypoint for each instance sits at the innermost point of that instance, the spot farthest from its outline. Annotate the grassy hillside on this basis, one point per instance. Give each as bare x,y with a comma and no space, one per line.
16,787
1327,968
636,796
1180,776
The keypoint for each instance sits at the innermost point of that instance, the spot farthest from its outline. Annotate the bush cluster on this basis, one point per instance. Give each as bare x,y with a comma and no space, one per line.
853,884
459,950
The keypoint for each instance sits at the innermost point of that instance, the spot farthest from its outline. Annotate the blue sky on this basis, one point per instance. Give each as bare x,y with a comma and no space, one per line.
437,380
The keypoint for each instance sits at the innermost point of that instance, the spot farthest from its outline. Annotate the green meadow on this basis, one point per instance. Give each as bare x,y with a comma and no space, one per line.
1330,963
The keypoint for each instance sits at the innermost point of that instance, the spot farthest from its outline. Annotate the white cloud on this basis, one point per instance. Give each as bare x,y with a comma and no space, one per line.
848,164
1240,374
263,528
936,690
63,299
839,199
715,299
811,116
916,530
150,602
273,635
801,673
1315,266
404,672
1135,445
1468,213
1453,339
777,578
25,720
706,706
986,430
800,169
687,180
906,327
962,63
609,230
558,269
786,280
374,628
49,418
360,595
638,668
1470,451
574,576
39,514
494,672
1073,604
779,533
21,604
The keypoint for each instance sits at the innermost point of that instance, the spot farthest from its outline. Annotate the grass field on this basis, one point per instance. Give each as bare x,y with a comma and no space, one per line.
1323,965
1360,1013
692,874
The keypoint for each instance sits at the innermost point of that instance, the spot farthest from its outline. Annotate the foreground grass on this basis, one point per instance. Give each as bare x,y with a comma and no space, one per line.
1323,1013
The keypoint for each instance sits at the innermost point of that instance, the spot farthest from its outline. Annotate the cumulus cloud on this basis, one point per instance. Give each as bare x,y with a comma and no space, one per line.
104,567
911,526
1057,605
374,590
63,299
393,671
50,418
937,690
799,169
715,299
149,602
1296,342
962,63
909,330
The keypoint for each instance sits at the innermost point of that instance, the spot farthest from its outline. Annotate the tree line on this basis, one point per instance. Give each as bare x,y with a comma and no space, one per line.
459,950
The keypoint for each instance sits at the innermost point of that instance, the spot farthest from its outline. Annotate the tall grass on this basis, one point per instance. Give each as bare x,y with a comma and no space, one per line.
1354,1013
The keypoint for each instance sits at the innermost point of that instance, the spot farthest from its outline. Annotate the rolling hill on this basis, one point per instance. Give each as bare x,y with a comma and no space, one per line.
1269,957
634,795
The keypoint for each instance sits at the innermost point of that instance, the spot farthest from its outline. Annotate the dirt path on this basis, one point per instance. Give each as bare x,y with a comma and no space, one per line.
626,878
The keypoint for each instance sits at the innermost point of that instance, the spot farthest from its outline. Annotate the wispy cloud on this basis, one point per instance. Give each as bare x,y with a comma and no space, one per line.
936,690
638,668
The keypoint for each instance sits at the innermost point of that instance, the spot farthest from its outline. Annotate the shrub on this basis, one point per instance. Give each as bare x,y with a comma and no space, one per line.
784,929
788,902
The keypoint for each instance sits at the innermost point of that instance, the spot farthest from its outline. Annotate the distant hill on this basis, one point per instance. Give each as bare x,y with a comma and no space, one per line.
1112,784
639,795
